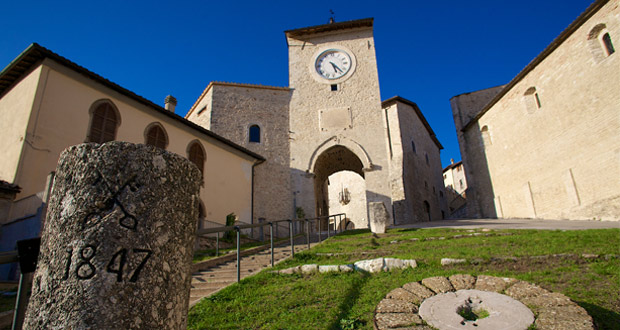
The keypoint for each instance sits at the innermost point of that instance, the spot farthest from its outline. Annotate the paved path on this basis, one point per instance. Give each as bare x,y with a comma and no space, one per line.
514,224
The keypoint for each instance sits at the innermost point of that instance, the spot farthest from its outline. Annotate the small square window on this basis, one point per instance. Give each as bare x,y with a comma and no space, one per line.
334,87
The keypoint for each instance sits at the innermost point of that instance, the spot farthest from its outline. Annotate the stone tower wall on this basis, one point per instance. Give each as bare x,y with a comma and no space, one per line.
355,109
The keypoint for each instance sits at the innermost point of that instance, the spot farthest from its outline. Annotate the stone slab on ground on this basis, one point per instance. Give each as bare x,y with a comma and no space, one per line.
564,317
438,284
396,320
419,291
402,294
522,289
492,283
462,281
396,306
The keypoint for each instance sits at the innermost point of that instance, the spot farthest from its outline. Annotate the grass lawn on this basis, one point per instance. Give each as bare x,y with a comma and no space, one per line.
550,259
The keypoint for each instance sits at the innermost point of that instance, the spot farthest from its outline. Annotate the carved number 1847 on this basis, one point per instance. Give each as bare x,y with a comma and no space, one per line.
85,269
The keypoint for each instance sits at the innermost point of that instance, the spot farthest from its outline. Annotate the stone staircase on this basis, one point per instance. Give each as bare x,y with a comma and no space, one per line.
208,281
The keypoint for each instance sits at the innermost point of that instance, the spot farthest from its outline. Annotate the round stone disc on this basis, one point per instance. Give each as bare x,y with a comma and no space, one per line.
505,313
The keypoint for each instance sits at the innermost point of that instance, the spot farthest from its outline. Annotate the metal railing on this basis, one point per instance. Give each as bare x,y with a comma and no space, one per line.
339,220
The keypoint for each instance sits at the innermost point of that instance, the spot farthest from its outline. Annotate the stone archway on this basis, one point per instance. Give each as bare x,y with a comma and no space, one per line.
334,159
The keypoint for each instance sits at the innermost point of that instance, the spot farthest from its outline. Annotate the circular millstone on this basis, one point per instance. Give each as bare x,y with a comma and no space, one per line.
504,313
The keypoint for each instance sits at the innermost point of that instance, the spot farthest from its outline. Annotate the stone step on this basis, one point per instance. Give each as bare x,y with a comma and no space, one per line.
212,285
197,293
211,280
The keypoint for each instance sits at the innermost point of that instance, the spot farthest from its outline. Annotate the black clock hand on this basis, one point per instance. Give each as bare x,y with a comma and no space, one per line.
336,68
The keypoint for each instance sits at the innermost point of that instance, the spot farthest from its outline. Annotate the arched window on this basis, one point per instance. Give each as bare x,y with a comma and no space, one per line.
609,46
104,122
531,99
600,43
255,134
156,136
196,155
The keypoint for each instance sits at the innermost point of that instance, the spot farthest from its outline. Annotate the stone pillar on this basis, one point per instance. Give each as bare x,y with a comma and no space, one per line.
379,217
116,249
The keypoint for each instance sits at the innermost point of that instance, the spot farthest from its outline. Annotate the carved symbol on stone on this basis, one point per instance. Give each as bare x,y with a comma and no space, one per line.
127,220
85,270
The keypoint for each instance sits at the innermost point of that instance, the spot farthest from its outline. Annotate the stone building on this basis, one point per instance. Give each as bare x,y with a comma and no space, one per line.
456,185
48,103
542,146
328,120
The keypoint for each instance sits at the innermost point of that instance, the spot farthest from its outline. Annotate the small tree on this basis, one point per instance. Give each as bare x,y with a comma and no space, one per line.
299,212
230,221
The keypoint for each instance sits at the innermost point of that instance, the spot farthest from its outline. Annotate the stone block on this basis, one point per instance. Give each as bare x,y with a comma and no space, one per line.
346,268
396,306
396,320
329,268
462,281
450,261
401,294
379,217
307,269
523,289
564,317
419,291
370,266
492,283
438,284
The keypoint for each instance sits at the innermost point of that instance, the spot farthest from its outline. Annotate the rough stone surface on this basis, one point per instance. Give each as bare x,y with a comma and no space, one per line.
371,266
117,247
547,300
450,261
379,217
396,320
291,270
438,284
312,268
420,291
564,317
402,294
396,306
523,289
346,268
462,281
492,283
329,268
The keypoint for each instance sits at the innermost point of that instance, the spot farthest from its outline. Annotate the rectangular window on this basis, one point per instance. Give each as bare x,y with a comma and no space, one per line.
334,87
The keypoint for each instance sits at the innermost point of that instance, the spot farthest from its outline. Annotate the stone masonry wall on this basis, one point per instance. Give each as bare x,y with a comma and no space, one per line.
413,180
464,108
230,111
552,162
358,98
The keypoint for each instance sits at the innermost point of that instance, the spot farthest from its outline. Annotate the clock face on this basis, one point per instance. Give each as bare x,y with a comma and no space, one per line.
333,64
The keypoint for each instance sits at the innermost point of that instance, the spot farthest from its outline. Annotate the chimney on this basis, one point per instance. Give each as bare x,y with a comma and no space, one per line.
451,159
170,102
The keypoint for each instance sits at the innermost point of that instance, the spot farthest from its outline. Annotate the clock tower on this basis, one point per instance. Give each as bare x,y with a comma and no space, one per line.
336,119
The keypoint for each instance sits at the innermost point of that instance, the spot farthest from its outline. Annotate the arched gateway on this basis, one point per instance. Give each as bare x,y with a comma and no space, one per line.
336,120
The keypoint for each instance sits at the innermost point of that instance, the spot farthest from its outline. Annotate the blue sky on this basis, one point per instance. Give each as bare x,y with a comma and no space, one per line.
427,51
